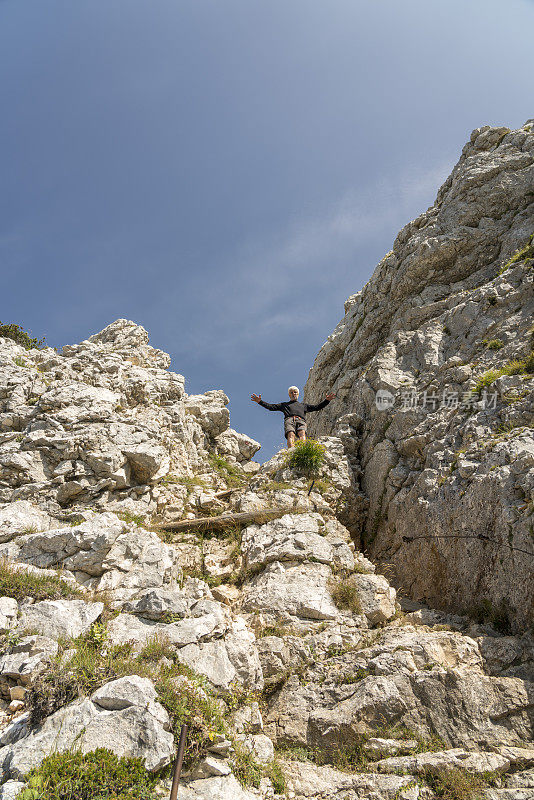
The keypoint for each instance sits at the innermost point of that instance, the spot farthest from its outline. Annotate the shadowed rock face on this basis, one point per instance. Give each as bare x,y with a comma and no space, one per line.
447,304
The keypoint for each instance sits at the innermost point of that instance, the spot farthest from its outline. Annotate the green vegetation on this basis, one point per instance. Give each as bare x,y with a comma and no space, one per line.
352,757
249,771
493,344
15,332
230,473
183,480
245,767
186,695
514,367
20,584
456,784
306,457
345,594
353,677
525,253
92,776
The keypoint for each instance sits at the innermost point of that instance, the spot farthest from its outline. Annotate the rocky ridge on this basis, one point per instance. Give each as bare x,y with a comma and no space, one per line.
291,654
443,331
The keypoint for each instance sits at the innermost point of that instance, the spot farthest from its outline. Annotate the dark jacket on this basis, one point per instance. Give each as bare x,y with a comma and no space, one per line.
294,408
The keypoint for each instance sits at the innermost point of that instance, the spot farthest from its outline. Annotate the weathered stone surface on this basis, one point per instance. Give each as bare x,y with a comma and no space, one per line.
426,467
377,598
223,788
17,519
309,780
299,591
59,618
139,730
102,553
131,690
235,444
293,537
8,612
444,761
157,603
377,748
11,789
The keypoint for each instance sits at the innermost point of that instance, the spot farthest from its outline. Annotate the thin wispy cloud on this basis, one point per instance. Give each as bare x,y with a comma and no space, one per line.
271,282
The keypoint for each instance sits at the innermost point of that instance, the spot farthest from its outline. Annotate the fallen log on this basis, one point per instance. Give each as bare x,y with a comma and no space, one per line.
225,520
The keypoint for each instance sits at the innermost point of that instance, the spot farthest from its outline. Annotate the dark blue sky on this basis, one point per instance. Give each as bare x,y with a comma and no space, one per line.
227,173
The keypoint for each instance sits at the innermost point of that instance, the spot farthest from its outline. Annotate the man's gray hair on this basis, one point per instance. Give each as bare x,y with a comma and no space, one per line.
293,387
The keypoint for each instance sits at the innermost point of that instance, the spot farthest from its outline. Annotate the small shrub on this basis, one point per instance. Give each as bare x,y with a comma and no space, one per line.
522,254
486,379
354,677
493,344
245,767
91,776
274,771
306,457
189,702
345,595
18,335
458,785
157,648
20,584
500,615
528,363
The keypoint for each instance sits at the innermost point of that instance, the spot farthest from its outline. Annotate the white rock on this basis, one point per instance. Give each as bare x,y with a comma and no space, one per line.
59,618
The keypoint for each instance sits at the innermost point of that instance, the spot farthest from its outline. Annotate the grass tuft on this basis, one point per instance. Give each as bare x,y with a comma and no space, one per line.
306,457
345,595
99,775
458,785
20,584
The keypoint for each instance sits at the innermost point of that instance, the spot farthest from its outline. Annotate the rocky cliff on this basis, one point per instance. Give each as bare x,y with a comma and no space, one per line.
152,574
433,367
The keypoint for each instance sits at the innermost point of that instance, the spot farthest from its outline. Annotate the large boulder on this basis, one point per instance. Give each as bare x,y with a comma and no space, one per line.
126,719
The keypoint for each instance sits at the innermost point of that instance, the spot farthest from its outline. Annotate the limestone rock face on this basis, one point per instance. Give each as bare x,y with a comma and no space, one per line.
100,425
138,729
134,596
431,460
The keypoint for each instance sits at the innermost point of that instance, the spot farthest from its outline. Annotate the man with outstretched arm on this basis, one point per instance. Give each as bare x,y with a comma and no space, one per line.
294,413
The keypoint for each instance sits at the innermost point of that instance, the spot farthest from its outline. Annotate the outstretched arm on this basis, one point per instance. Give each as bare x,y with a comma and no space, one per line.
269,406
322,404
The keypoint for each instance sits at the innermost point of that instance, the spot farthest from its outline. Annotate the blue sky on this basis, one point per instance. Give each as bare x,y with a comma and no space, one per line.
227,173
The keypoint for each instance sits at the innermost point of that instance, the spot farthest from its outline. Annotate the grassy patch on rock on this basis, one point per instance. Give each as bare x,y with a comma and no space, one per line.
19,584
345,594
230,473
86,663
456,784
306,457
98,775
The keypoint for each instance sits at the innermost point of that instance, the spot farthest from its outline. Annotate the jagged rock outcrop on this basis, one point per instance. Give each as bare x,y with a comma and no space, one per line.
449,455
280,637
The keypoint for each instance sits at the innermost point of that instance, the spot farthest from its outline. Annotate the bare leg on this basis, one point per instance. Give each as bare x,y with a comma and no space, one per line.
302,435
290,439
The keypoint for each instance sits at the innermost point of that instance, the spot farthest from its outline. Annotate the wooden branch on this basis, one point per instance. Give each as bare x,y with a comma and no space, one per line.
225,520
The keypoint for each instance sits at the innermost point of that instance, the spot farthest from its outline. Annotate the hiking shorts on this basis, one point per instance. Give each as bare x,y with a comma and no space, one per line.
294,425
